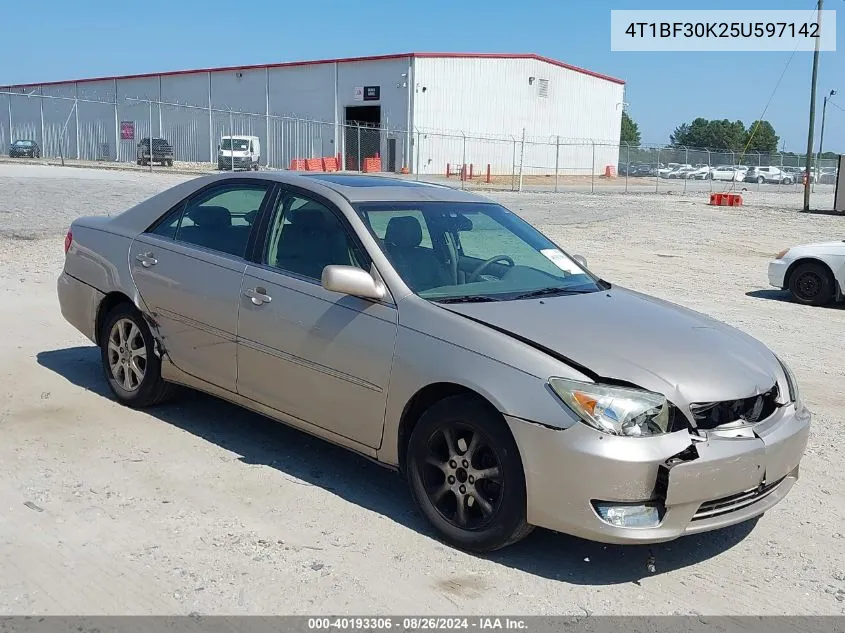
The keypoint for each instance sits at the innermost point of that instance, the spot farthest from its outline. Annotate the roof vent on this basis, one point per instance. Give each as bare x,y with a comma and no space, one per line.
543,88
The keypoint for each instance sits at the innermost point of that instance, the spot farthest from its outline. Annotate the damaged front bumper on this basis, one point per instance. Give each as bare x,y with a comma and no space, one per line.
697,484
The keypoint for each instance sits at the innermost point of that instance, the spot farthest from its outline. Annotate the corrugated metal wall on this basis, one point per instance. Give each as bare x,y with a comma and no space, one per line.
490,97
492,100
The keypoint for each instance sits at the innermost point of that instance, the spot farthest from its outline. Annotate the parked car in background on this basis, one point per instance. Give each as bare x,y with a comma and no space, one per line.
439,333
772,175
827,176
796,173
162,152
640,170
814,274
701,172
239,152
725,172
664,172
24,148
681,172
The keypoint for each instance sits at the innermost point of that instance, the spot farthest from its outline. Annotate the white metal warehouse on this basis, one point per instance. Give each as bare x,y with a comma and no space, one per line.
414,110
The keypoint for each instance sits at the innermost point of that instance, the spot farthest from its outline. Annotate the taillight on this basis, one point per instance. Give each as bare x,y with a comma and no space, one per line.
68,241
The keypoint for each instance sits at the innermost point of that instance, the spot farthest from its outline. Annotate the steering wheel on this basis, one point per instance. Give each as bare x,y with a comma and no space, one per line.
486,264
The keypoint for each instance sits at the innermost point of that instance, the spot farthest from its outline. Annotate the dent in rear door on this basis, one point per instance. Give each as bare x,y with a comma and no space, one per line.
192,295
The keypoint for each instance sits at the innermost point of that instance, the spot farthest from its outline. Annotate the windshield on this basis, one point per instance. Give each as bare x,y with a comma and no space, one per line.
239,144
473,252
23,143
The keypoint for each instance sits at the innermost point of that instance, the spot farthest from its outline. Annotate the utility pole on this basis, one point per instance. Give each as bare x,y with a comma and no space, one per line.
811,131
824,113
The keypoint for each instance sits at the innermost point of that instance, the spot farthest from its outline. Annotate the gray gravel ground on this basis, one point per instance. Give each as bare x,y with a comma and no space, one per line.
199,506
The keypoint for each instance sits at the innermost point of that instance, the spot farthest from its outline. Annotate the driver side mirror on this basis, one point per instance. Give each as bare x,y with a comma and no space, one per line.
353,281
580,260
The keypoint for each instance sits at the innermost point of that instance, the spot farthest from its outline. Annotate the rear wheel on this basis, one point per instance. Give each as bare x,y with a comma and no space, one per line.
466,475
760,180
130,363
811,284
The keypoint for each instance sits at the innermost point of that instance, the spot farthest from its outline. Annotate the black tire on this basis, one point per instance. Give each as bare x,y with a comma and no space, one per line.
169,163
494,506
137,392
787,181
811,284
138,161
760,180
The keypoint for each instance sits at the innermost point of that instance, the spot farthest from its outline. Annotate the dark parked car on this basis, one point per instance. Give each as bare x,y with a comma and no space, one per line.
24,148
162,152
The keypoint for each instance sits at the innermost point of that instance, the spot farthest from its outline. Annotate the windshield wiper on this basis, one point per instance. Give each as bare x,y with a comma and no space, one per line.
467,299
550,291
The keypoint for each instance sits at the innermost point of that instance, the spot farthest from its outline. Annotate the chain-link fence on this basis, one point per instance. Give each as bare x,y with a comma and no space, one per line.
202,138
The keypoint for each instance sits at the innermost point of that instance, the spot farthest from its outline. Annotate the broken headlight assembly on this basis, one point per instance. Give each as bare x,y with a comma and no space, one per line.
792,385
615,410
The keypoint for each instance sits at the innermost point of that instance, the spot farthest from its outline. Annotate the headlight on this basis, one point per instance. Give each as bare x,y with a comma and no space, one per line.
792,385
782,254
615,410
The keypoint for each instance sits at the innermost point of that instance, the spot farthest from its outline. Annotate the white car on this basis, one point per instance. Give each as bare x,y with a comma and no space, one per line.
727,172
814,274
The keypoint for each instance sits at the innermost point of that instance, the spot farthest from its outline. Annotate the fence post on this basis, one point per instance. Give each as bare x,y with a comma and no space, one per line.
231,141
417,162
709,170
593,170
76,114
358,123
657,171
150,104
686,162
11,134
117,129
513,166
557,159
463,159
521,159
43,140
212,156
627,164
267,115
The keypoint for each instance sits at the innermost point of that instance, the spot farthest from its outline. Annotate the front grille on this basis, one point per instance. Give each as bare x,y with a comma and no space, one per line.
732,503
710,415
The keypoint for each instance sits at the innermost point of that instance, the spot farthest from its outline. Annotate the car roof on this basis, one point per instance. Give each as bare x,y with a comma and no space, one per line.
370,188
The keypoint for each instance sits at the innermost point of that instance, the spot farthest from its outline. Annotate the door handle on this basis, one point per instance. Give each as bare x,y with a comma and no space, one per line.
258,295
146,259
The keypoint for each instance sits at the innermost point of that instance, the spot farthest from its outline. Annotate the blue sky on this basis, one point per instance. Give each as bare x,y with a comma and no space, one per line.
56,40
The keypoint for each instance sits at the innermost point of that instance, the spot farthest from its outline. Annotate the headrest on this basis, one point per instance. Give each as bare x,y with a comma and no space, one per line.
404,231
309,217
208,216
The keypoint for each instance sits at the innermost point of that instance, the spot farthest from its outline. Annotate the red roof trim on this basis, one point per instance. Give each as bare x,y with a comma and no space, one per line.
340,60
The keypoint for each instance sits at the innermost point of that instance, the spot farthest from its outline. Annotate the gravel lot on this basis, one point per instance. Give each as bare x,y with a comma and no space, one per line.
201,507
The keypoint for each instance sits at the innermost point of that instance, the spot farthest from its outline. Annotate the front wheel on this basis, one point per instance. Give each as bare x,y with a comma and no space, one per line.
466,475
130,363
811,284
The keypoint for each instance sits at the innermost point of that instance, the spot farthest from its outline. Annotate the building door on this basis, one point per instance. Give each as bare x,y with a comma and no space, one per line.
362,133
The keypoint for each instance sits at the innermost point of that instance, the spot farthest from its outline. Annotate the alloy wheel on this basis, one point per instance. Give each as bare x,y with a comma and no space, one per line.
462,476
127,354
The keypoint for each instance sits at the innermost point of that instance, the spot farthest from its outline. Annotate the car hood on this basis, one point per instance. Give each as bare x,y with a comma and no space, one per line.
627,336
823,246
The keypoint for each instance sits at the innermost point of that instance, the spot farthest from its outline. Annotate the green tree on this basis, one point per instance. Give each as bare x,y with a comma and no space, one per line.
630,133
761,137
716,134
